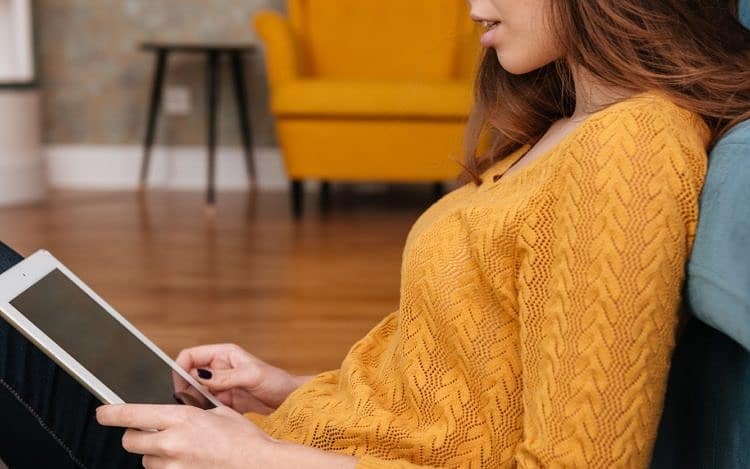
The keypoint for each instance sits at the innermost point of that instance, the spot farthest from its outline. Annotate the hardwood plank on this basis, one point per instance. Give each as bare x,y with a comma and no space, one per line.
297,294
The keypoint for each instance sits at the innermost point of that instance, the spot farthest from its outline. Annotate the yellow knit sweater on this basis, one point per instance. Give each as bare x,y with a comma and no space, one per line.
538,312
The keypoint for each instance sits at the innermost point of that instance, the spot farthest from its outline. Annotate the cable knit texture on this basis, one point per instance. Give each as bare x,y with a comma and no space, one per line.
538,312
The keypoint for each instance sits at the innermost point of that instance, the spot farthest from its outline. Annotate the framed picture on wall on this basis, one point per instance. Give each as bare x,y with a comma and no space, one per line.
16,42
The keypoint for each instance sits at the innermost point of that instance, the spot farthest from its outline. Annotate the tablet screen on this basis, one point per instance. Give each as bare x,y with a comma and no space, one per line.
81,327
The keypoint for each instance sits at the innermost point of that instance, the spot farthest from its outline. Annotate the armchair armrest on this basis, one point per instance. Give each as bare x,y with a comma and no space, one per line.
282,60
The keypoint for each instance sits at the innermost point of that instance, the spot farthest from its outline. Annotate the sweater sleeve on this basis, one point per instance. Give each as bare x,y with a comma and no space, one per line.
601,264
369,462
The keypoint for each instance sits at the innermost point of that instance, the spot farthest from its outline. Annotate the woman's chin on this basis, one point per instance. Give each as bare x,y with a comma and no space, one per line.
517,67
511,66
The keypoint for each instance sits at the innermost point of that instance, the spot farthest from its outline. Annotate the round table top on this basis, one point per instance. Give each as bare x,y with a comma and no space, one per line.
198,46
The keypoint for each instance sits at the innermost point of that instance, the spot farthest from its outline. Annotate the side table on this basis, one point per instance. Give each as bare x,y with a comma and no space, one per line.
213,53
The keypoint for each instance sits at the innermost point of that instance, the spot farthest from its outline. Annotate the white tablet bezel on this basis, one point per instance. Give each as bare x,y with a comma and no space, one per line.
26,273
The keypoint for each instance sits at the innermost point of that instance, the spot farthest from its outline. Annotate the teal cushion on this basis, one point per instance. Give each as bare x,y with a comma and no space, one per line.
718,280
745,12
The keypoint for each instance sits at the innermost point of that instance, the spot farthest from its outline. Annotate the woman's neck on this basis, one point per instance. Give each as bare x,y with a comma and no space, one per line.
592,95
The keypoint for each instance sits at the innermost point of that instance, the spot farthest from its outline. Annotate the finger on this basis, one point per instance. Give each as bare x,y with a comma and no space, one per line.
225,412
140,442
225,397
203,355
257,407
243,402
143,416
178,382
246,377
153,462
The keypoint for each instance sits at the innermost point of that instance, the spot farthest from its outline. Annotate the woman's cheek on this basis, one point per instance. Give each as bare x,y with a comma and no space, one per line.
523,54
516,58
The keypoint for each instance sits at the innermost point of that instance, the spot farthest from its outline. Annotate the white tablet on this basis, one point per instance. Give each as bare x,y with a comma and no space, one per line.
56,311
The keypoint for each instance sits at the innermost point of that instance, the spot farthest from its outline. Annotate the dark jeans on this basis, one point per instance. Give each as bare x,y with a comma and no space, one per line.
48,419
706,418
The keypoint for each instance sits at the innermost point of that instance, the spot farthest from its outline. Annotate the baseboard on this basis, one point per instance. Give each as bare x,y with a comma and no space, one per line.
117,167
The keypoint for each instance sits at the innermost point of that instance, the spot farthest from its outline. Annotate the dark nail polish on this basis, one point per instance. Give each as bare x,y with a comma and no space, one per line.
204,374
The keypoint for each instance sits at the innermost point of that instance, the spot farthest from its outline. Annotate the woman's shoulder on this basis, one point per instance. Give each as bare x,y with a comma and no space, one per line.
642,133
649,119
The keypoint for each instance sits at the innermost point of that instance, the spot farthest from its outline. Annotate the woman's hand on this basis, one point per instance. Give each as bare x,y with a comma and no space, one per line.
238,379
188,437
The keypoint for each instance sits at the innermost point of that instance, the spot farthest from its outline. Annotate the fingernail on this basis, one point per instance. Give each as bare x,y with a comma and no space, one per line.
204,374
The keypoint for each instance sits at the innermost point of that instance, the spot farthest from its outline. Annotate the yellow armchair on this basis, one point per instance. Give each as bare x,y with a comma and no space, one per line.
369,90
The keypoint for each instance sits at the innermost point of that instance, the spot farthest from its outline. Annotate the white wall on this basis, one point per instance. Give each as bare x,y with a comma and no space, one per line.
22,177
117,167
16,48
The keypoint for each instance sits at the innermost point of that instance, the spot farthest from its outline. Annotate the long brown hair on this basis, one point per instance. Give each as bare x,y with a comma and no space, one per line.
694,51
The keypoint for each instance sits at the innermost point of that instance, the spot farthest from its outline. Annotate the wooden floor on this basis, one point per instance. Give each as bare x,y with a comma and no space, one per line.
297,294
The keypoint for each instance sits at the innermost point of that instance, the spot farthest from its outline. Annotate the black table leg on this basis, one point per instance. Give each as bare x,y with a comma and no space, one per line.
212,93
325,195
298,197
153,112
246,132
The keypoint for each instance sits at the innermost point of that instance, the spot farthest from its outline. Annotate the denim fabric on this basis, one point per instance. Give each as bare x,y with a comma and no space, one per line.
48,418
718,281
706,419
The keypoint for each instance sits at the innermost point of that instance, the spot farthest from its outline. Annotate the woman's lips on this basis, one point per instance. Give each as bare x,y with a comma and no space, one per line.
488,38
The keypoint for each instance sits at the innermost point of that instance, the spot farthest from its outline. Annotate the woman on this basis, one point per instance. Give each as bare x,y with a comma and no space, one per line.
539,302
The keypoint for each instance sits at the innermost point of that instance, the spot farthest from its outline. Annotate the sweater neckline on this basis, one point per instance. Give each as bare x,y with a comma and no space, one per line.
496,174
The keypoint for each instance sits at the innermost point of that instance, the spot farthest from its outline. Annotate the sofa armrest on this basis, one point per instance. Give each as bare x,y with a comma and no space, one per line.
277,36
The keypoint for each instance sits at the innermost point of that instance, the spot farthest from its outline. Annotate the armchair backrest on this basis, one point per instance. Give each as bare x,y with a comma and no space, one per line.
385,39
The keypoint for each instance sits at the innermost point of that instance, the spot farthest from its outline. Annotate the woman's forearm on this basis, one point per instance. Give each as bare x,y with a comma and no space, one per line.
300,456
300,380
